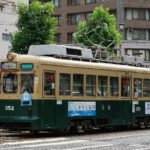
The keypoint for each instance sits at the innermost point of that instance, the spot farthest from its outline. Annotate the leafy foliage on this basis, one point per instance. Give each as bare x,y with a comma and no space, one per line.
100,28
35,26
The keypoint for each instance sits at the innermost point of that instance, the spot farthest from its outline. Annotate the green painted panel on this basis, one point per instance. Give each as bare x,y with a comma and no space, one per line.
52,114
12,111
48,113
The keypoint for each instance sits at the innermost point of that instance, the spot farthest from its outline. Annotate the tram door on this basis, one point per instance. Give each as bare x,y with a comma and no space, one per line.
48,102
126,94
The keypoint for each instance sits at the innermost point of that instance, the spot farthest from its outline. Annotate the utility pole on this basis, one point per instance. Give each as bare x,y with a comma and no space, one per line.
120,17
120,22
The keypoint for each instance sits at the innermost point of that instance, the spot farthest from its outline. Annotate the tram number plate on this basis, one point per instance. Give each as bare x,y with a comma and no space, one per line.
9,108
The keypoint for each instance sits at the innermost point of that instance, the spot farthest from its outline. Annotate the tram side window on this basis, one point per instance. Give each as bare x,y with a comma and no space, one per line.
78,85
114,86
10,83
49,83
146,89
90,85
125,87
27,83
64,84
137,87
102,85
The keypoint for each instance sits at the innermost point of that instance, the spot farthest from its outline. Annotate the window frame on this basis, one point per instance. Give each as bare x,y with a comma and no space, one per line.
27,73
144,88
73,2
130,87
90,2
104,88
90,85
76,85
117,88
2,88
43,89
68,84
134,88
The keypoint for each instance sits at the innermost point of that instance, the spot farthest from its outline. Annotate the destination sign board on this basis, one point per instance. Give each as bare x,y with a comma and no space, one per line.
26,66
8,65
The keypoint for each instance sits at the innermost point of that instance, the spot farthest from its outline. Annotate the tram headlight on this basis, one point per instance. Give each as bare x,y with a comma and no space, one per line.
10,56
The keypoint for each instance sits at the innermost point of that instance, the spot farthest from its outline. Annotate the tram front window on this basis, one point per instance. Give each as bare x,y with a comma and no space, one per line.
10,83
27,83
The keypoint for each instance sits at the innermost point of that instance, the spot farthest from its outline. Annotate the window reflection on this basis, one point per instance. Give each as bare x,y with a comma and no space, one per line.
10,83
27,83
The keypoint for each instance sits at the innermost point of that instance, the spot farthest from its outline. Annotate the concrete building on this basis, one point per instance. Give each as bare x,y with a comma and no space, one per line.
8,19
133,18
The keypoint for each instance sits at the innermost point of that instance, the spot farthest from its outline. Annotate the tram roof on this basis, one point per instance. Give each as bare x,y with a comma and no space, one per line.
79,64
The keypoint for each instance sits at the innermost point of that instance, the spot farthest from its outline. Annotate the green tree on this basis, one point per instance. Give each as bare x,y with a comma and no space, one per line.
35,26
99,29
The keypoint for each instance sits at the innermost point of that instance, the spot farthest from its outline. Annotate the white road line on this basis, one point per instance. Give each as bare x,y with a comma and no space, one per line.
46,144
89,147
118,137
33,141
143,148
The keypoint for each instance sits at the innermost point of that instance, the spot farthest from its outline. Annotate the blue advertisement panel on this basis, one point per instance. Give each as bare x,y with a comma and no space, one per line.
26,99
81,109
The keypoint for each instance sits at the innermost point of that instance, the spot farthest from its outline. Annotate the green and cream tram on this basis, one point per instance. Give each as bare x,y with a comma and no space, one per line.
46,93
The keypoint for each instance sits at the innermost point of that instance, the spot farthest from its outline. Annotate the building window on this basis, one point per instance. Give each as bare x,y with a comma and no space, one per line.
90,1
147,55
13,8
135,14
128,14
73,18
57,3
58,17
73,2
87,15
137,53
58,37
70,37
134,34
6,37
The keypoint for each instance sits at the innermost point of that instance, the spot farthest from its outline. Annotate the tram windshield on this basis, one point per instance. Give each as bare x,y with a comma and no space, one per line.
10,83
27,83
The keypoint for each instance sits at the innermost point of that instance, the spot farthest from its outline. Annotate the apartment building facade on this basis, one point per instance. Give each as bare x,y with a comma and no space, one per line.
8,18
133,17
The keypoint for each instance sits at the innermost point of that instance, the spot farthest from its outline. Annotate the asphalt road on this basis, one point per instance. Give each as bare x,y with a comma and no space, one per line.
122,140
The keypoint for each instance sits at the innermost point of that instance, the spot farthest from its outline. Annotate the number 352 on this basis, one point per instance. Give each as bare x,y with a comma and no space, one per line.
9,108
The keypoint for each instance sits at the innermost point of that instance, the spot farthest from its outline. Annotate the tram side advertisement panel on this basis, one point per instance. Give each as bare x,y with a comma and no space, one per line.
81,109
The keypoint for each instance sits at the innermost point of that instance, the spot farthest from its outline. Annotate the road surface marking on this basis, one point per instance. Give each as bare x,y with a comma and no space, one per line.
89,147
44,144
34,141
